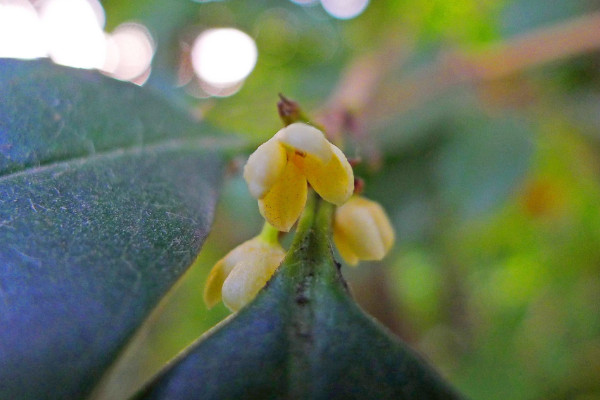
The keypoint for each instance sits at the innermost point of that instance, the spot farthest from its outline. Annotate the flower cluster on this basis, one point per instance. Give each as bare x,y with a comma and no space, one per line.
277,174
278,170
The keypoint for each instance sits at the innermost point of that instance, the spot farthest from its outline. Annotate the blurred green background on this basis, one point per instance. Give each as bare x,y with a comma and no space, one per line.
478,123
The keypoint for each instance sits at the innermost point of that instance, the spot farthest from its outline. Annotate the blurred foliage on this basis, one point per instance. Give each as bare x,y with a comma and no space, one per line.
493,186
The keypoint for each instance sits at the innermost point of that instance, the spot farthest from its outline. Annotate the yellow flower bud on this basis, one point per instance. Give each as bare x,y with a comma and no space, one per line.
238,277
362,230
278,170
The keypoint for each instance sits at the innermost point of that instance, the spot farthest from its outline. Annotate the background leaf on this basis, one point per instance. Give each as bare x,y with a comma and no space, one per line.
482,162
106,195
302,338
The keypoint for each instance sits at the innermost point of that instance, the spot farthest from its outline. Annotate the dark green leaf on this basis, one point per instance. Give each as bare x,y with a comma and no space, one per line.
302,338
106,195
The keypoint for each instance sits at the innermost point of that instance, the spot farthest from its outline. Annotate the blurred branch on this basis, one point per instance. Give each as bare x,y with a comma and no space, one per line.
514,56
563,40
365,89
357,88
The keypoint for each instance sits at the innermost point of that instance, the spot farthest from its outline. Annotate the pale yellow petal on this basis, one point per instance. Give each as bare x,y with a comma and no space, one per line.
214,283
334,180
284,203
384,226
355,221
344,248
248,277
305,139
252,249
264,167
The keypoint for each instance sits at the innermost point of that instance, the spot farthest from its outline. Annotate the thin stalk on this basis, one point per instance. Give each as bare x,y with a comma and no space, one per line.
305,223
323,221
315,220
269,234
310,254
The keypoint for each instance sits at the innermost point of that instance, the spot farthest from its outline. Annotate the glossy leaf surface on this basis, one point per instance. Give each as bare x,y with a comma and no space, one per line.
106,195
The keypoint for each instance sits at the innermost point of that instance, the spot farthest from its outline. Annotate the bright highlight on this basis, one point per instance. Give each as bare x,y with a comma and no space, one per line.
131,49
223,57
20,31
344,9
74,32
71,33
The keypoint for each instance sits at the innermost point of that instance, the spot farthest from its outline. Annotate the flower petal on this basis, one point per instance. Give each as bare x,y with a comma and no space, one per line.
248,277
283,204
305,139
359,222
383,224
344,248
264,167
250,250
214,283
334,180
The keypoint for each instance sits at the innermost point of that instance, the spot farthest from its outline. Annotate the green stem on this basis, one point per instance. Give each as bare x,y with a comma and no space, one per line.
323,219
314,228
269,234
306,219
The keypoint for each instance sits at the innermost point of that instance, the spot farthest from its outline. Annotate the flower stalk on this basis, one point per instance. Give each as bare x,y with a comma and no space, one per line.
269,234
312,242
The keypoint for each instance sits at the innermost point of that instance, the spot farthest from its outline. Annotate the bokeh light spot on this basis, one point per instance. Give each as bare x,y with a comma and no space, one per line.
223,57
73,29
344,9
20,33
130,52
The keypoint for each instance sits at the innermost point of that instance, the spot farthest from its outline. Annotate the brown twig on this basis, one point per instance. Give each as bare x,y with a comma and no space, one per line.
343,113
368,92
503,60
566,39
